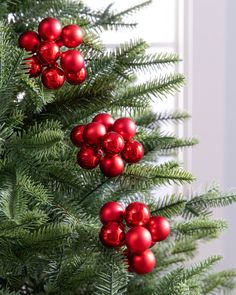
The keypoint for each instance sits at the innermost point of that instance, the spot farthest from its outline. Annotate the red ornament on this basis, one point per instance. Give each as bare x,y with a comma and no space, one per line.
112,235
72,61
59,42
125,127
113,143
111,212
143,263
48,52
133,151
93,133
159,228
30,41
72,36
88,157
76,135
138,239
104,119
50,29
34,66
76,78
137,214
53,78
112,165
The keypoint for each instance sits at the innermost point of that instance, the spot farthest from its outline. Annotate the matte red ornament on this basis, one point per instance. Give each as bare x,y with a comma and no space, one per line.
33,65
104,119
93,133
125,127
111,212
143,263
53,78
30,41
72,36
112,165
48,52
49,29
113,143
133,151
138,239
76,78
76,135
72,61
159,228
137,214
89,157
112,235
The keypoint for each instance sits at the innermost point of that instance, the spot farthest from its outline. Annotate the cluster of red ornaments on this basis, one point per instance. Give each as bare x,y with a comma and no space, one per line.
144,232
107,142
45,46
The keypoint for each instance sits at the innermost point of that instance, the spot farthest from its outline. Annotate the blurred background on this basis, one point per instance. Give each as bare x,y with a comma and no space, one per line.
203,33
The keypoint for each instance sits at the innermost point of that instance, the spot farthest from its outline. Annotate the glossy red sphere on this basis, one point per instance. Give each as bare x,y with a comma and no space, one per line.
88,157
113,143
76,78
33,66
125,127
159,228
112,165
72,61
138,239
48,52
53,78
93,133
104,119
111,212
76,135
137,214
30,41
133,151
143,263
59,42
72,36
112,235
49,29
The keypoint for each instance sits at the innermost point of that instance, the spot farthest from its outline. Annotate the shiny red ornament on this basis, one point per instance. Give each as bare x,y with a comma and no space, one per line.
53,78
76,78
112,165
59,42
76,135
93,133
137,214
113,143
33,65
138,239
143,263
159,228
125,127
89,157
72,61
49,29
30,41
111,212
72,36
133,151
104,119
112,235
48,52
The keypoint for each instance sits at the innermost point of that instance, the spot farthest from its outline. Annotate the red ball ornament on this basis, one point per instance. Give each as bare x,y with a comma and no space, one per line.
112,165
111,212
125,127
159,228
113,143
88,157
33,65
76,135
138,239
133,151
50,29
76,78
104,119
93,133
48,52
72,36
53,78
137,214
143,263
72,61
30,41
59,42
112,235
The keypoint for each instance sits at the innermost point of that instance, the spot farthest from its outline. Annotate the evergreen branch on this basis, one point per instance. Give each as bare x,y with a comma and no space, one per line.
224,280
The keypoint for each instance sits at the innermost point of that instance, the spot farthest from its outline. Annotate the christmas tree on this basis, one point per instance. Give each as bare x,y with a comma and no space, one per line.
49,205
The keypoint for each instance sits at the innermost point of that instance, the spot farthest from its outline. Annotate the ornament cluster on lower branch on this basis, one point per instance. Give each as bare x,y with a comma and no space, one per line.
107,142
142,233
